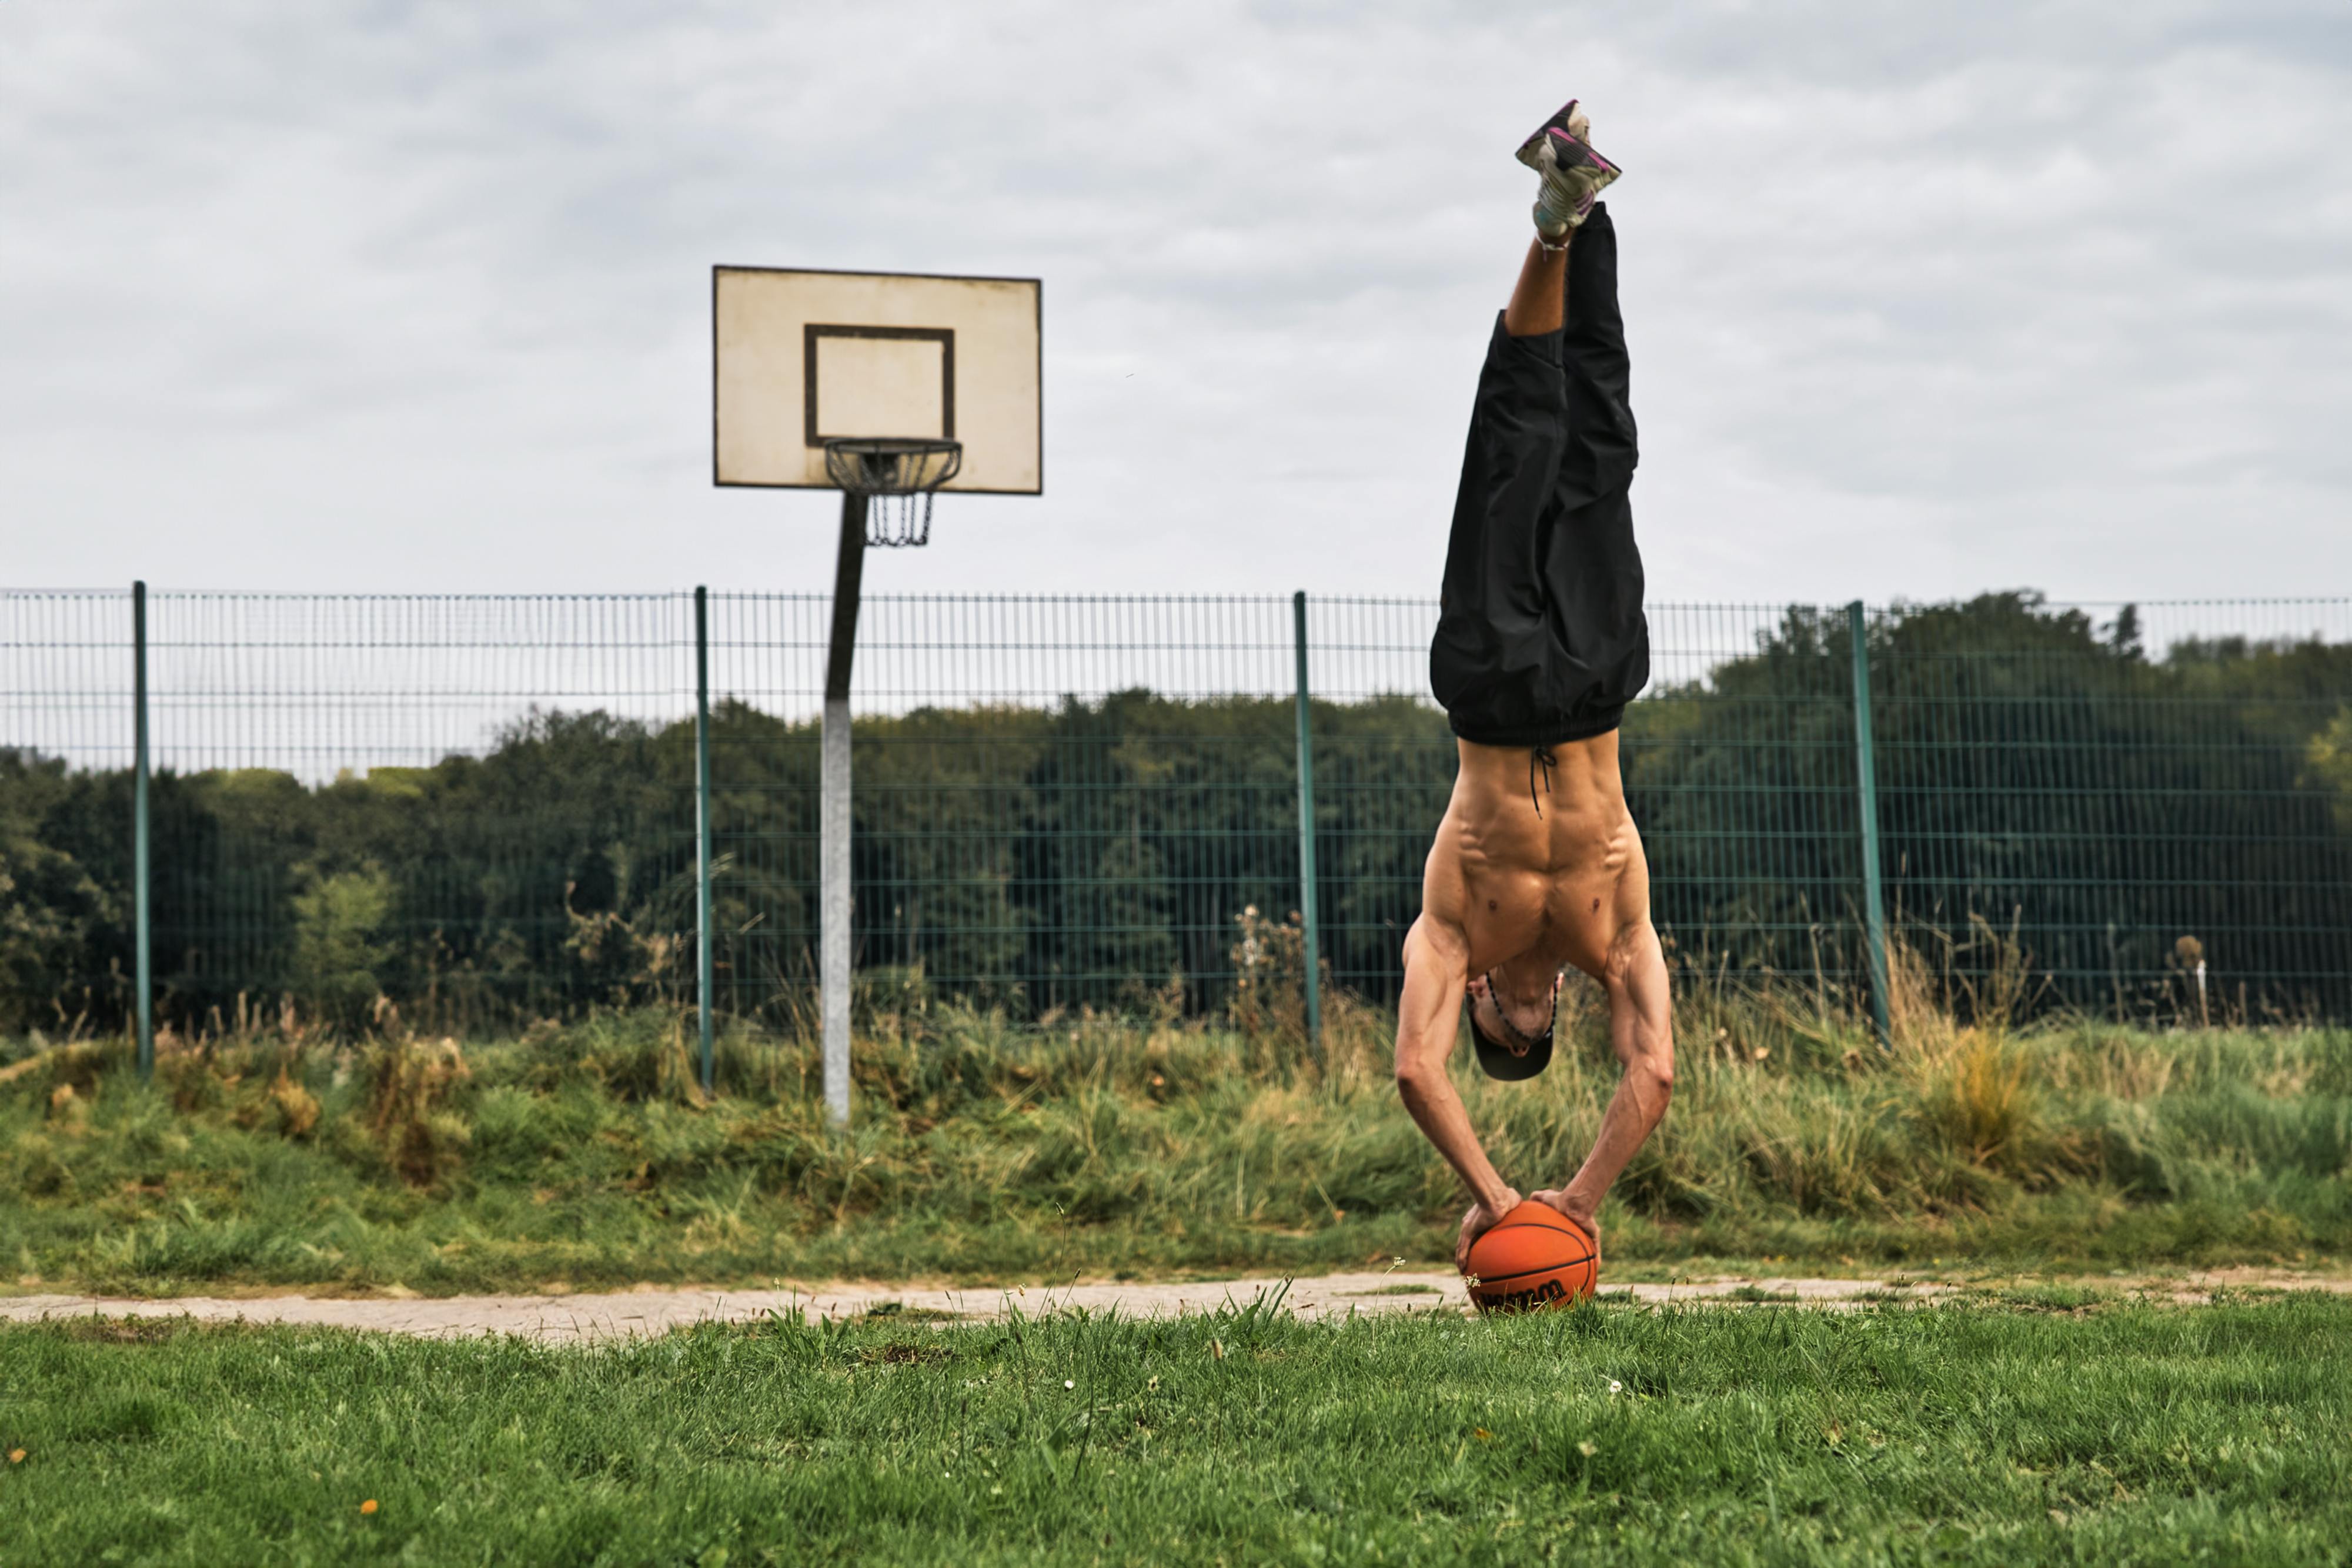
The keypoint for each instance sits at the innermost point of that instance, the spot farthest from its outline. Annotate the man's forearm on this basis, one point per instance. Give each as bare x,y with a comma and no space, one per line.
1438,1110
1435,969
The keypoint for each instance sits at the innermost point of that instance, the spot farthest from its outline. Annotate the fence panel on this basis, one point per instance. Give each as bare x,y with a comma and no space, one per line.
479,806
2130,804
1059,802
65,678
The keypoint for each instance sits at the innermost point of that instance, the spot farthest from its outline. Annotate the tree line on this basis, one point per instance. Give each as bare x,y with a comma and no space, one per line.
2032,765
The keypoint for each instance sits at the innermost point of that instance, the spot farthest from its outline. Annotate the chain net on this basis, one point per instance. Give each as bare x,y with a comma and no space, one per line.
898,521
898,478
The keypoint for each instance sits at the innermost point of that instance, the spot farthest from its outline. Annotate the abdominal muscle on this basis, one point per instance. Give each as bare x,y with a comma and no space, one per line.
1530,891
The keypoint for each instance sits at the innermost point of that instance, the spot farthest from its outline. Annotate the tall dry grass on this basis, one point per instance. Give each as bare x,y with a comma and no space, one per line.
278,1150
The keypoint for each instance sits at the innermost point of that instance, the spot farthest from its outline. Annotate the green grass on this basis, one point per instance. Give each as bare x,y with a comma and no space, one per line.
1099,1147
1746,1434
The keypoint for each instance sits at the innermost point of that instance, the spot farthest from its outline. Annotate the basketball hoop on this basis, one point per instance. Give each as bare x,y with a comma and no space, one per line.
897,477
852,381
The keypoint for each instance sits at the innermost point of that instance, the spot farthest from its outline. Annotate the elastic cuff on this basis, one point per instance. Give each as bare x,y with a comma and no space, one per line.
1556,732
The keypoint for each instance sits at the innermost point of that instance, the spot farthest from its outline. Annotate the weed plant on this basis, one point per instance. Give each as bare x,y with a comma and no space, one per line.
2087,1431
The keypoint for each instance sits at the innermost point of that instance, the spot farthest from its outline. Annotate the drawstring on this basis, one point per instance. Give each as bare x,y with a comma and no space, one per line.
1540,755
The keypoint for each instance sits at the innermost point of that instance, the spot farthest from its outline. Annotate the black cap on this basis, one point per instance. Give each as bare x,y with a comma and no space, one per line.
1499,1060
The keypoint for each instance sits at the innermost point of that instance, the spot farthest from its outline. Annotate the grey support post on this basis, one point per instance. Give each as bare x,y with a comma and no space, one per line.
704,961
1310,944
833,906
1865,762
141,907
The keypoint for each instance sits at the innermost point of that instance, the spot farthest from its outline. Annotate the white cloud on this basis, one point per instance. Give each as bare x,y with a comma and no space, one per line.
1923,299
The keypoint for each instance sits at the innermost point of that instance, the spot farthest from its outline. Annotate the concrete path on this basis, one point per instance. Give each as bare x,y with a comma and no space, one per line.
653,1309
656,1310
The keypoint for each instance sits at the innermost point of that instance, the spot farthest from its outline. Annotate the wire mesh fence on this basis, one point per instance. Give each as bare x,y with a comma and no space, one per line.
483,808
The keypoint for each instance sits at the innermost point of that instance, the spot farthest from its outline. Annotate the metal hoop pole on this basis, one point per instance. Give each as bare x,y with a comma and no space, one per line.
1865,767
835,904
1309,933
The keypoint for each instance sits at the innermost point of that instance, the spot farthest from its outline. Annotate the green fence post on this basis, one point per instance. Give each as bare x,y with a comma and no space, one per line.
1866,763
1310,947
141,960
705,968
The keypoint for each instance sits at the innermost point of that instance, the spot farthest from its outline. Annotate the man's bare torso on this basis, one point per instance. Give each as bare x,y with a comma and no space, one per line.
1541,632
1534,877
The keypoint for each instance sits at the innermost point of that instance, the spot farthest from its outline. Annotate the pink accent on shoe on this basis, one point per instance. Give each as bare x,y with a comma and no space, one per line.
1581,151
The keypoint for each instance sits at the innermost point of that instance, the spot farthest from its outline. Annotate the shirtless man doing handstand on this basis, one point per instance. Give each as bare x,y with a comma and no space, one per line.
1540,643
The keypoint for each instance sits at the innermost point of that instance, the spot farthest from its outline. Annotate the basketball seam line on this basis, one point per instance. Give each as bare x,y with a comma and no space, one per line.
1564,1225
1485,1279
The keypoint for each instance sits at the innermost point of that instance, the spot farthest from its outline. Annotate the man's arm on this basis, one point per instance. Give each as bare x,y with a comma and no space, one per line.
1436,967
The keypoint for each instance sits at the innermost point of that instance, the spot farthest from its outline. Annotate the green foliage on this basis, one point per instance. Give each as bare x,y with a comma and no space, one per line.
54,918
339,951
2060,1429
2331,764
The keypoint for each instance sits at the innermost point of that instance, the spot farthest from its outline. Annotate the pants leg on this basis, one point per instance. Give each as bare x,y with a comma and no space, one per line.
1602,449
1540,634
1593,569
1491,633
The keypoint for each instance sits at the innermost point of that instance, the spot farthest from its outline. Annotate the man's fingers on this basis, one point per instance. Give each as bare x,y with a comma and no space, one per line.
1471,1230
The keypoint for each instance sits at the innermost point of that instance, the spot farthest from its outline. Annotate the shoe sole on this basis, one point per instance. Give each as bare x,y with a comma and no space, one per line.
1531,151
1558,121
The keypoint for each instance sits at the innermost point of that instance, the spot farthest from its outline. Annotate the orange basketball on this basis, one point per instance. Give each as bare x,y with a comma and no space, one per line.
1535,1256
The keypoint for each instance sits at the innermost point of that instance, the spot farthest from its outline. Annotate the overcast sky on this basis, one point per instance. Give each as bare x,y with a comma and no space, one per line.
1924,299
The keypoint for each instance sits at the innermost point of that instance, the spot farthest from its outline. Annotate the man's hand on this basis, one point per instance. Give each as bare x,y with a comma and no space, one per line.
1558,1196
1480,1220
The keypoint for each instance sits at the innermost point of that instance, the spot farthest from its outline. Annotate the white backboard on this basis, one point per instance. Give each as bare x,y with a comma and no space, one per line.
800,357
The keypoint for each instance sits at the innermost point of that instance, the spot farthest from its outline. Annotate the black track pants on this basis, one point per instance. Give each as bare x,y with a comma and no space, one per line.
1541,636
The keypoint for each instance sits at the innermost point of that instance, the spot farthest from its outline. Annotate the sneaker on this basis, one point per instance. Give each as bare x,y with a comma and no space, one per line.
1574,175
